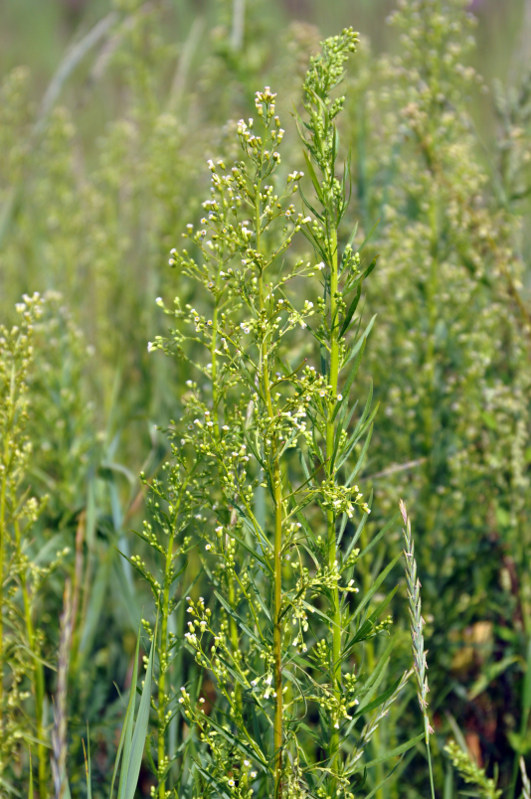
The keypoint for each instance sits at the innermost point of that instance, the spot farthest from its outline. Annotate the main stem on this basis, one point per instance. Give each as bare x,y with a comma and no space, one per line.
330,471
276,485
277,635
233,627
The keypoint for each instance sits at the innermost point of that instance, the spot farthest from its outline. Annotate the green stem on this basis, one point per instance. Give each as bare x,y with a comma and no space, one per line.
428,753
37,677
278,502
163,665
277,635
164,653
233,627
330,471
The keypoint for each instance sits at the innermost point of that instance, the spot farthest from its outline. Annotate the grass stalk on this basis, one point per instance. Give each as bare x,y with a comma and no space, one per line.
420,665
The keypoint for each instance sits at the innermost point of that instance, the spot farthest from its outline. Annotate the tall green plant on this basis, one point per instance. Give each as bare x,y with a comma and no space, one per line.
267,452
23,719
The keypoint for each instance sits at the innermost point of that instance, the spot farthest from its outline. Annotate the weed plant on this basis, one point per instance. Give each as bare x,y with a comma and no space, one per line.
265,461
22,689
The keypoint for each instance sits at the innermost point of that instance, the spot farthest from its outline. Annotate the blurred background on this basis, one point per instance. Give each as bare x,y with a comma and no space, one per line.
36,33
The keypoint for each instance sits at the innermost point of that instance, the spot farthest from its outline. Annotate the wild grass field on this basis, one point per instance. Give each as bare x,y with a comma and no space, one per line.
265,393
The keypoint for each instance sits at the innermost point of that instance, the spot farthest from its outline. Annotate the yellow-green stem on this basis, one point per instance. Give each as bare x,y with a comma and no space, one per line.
233,628
163,662
276,482
330,470
37,679
277,635
164,659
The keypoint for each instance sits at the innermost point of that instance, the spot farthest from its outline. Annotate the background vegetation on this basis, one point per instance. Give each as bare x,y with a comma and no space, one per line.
108,114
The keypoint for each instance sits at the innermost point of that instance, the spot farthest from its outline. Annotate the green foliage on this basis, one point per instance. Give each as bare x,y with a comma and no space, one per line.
21,576
421,171
471,772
